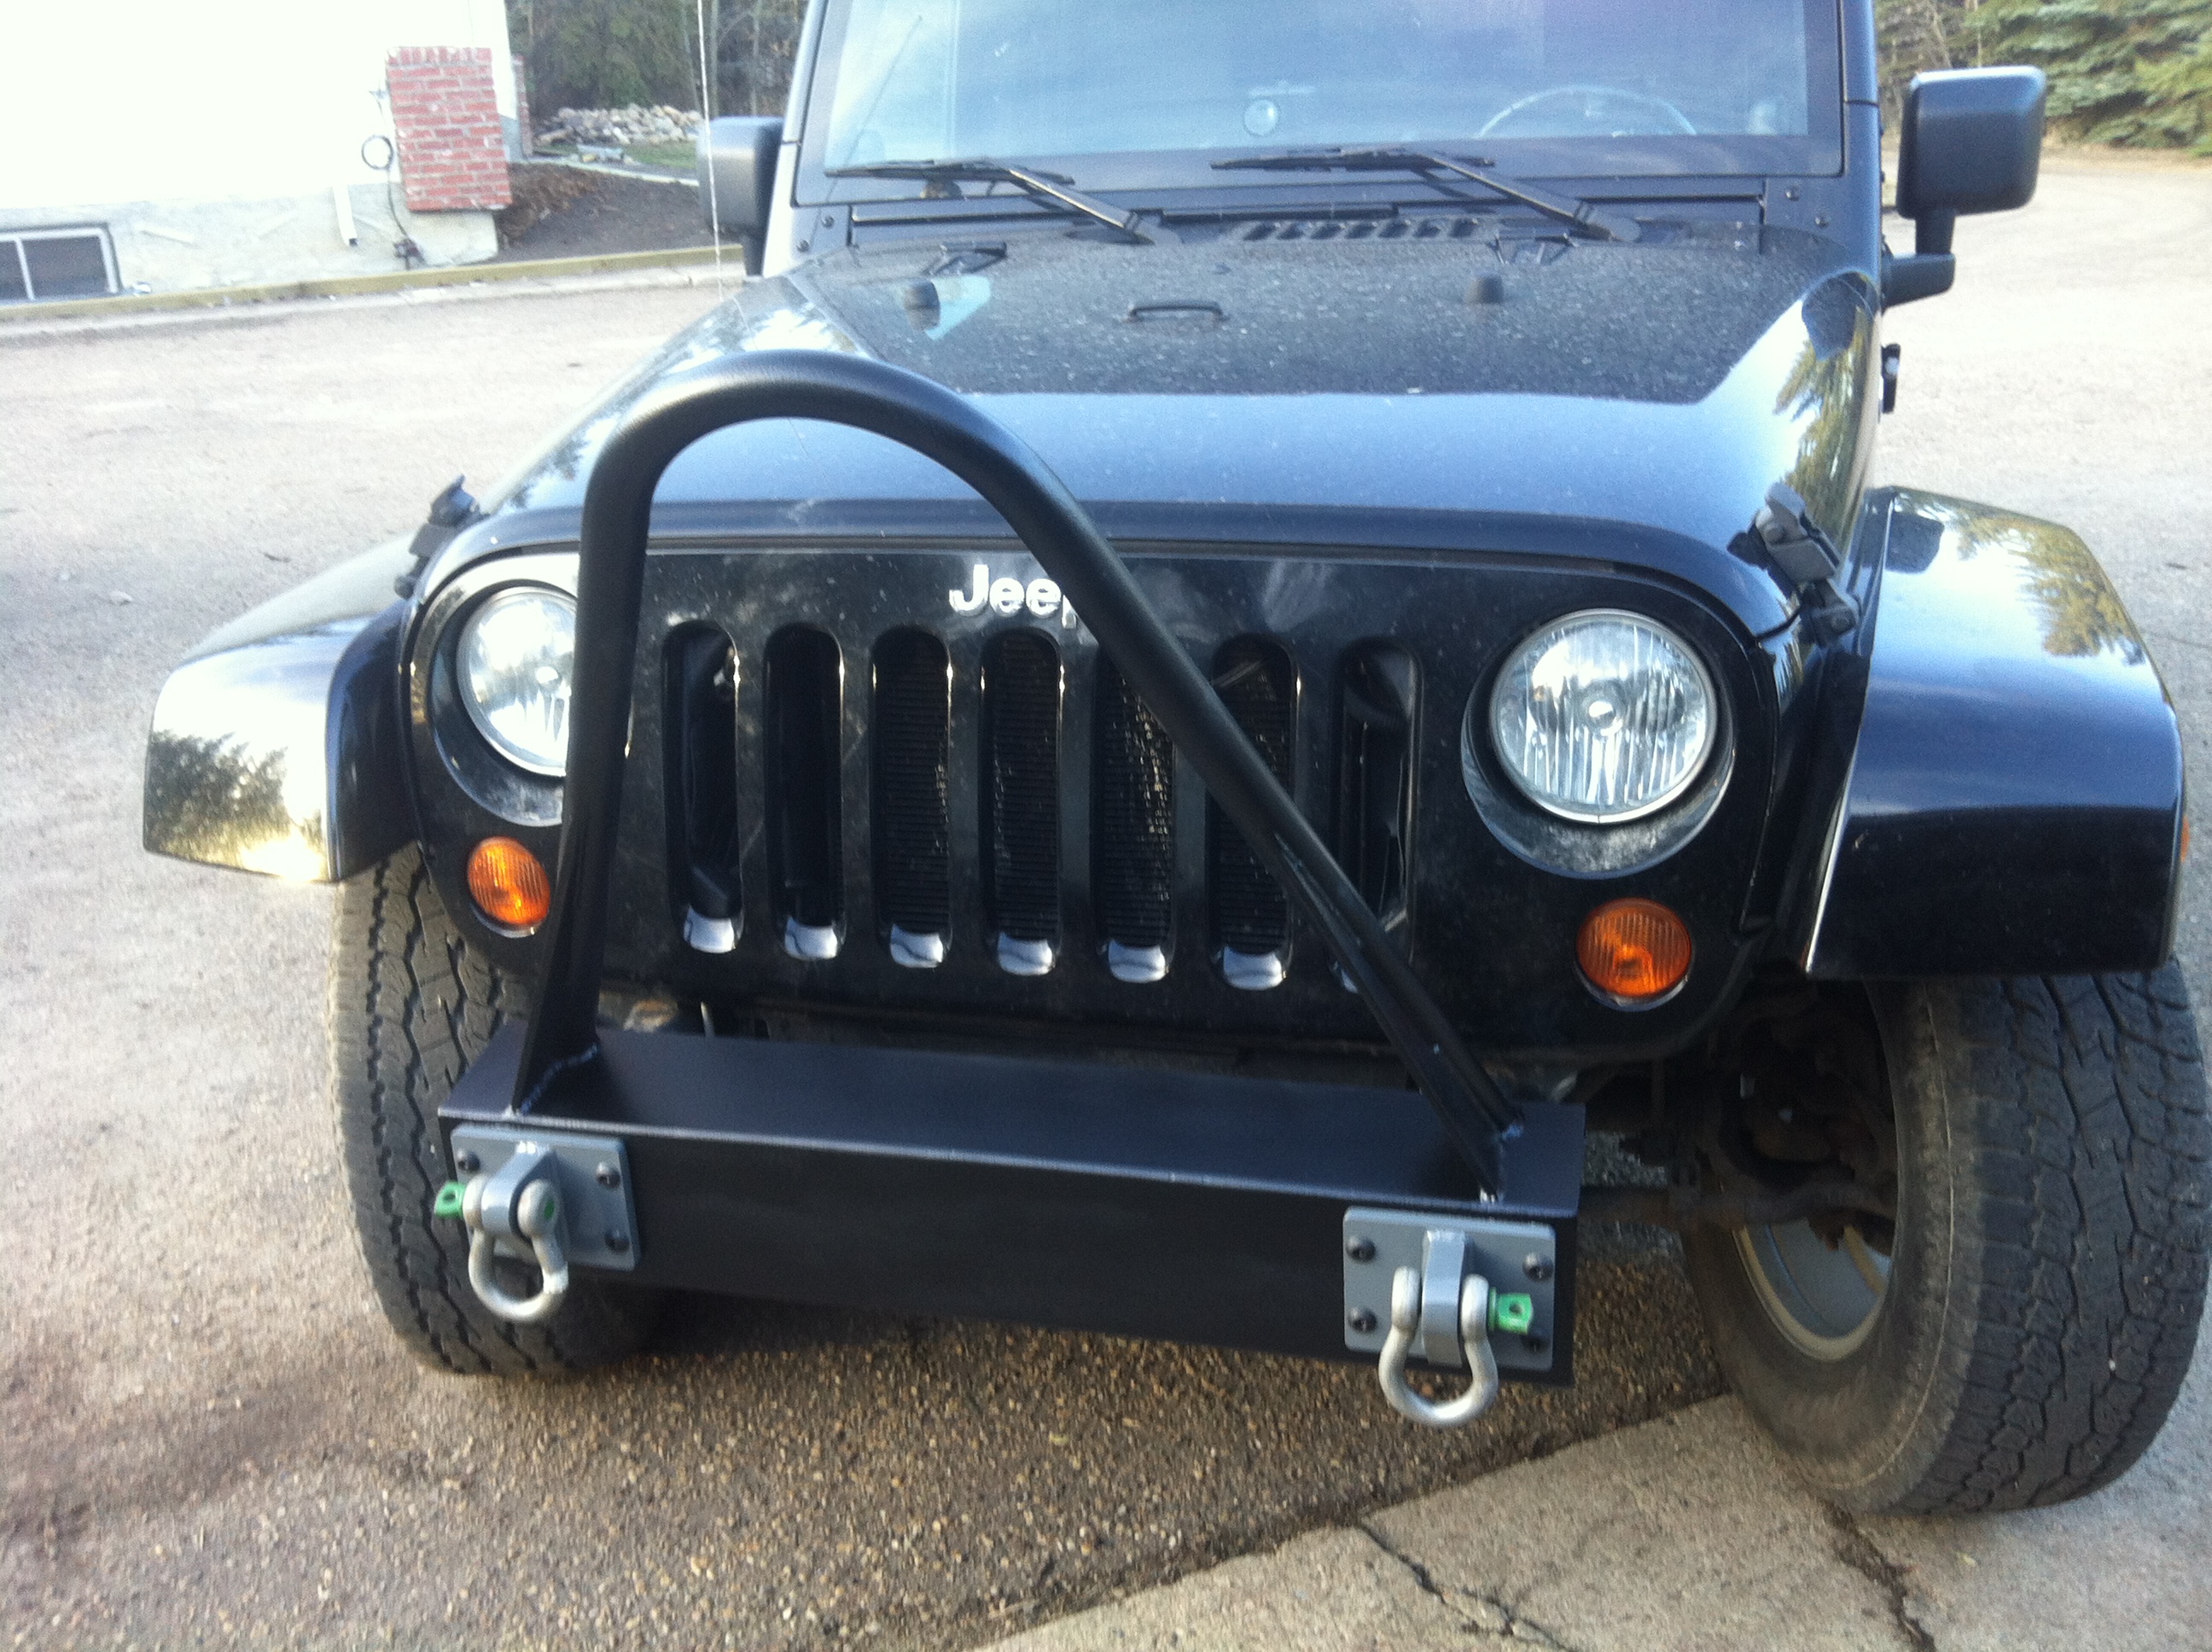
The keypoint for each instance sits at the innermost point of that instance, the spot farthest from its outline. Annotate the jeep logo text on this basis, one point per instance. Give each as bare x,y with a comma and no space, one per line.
1009,595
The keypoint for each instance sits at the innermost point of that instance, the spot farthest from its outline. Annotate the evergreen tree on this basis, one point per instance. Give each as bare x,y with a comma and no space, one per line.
1916,35
2121,71
607,54
755,42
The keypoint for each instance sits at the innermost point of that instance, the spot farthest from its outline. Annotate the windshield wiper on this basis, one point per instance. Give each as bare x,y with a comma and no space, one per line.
1567,208
1047,188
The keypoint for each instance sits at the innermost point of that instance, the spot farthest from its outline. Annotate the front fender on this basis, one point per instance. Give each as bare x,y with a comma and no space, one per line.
2013,806
278,747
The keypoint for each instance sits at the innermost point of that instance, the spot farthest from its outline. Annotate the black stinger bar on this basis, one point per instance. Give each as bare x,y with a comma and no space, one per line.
938,423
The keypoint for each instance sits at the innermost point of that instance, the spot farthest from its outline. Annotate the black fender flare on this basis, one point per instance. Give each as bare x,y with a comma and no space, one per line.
279,746
2013,803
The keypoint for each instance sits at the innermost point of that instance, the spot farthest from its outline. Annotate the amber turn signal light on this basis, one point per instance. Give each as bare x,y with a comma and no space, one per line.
510,884
1634,951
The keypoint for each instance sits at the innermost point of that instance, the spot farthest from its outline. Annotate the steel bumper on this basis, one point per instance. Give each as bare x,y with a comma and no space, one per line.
1187,1207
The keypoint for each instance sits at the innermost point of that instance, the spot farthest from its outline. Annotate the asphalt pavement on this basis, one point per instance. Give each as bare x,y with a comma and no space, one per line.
206,1434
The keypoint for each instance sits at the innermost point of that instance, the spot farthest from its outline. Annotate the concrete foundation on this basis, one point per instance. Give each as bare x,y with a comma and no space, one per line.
177,245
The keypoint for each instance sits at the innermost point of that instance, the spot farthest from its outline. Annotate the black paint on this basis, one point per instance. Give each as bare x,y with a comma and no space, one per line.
1198,1209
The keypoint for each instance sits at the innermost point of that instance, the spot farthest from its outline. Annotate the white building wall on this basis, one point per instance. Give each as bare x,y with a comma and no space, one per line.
210,139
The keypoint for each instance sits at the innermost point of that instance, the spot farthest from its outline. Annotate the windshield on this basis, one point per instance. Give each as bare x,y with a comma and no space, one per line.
1558,86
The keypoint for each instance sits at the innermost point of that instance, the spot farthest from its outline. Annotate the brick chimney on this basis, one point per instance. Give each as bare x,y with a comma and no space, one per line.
453,155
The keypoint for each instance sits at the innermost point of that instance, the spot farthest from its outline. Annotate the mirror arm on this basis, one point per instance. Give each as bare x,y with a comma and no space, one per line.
1932,232
1921,275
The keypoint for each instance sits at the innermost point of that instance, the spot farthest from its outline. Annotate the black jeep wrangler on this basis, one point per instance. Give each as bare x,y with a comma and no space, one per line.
1267,614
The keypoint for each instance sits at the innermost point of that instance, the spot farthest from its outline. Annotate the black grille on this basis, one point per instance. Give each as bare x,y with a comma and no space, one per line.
805,839
1374,775
909,744
702,755
1021,786
963,756
1133,818
1258,683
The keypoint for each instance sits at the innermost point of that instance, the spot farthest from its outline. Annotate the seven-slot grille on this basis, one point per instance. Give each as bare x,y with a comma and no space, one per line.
1046,732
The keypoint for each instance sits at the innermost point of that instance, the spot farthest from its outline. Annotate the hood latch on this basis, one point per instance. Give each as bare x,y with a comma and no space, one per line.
1808,559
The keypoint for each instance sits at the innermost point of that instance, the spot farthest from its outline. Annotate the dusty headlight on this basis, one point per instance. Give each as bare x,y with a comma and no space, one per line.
516,658
1602,716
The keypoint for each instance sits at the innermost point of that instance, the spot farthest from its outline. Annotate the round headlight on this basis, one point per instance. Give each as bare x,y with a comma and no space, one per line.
1603,717
517,656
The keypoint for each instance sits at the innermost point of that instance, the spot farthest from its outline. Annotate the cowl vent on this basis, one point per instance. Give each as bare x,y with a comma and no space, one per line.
1361,229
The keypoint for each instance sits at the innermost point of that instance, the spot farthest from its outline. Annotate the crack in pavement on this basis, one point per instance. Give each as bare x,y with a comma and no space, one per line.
1493,1617
2169,636
1857,1551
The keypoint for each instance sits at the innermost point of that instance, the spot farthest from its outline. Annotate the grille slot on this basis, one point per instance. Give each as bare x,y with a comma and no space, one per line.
1258,682
1132,830
909,745
1020,812
1378,688
702,760
805,845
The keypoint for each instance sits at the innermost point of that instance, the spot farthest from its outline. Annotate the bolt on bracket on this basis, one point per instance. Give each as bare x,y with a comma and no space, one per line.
1457,1294
546,1198
1520,1260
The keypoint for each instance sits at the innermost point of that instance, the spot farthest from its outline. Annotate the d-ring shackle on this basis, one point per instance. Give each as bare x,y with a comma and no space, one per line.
1406,1302
520,1200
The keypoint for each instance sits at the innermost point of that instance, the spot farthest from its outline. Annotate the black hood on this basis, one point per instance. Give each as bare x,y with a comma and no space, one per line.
1662,320
1341,391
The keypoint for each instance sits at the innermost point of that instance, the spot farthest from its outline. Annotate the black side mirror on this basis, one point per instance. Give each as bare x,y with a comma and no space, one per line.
737,176
1972,141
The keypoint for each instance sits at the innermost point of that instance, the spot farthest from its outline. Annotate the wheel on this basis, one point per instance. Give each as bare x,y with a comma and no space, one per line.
412,1002
1589,112
2017,1334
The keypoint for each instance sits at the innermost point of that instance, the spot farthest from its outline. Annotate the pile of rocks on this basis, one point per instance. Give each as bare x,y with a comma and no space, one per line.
617,128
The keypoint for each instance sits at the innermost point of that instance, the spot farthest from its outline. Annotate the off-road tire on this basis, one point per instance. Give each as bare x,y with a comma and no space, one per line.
2049,1267
412,1002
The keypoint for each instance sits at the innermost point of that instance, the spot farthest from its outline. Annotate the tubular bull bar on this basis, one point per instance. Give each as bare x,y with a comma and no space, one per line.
1194,1208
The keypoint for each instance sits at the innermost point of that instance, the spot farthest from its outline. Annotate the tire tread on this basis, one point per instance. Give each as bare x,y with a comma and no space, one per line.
411,1004
2091,1164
